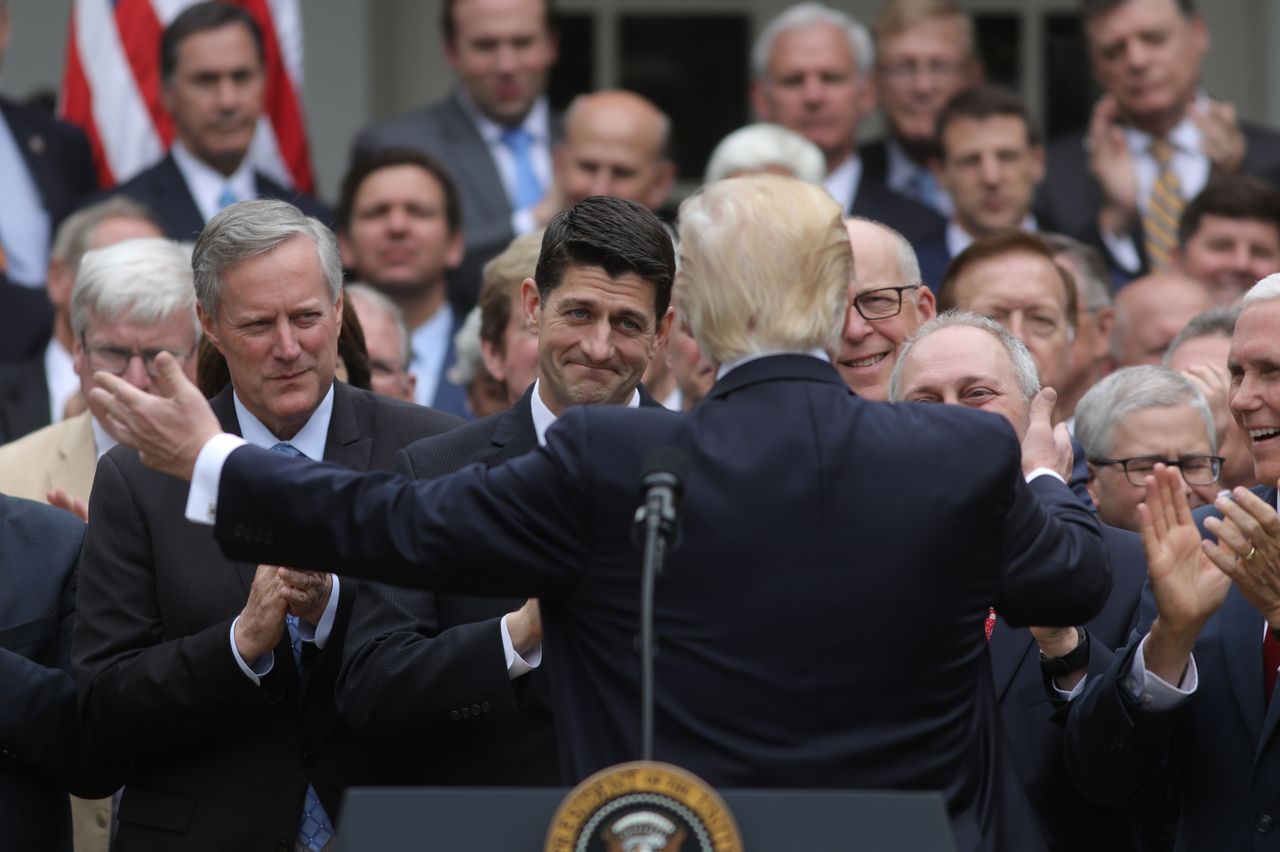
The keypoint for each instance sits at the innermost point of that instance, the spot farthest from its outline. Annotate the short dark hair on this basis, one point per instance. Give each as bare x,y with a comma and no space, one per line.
617,235
387,158
981,102
1089,8
1010,241
449,24
1231,197
213,15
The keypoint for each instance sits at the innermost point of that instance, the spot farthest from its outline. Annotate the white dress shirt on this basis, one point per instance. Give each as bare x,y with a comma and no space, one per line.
24,222
842,182
429,344
538,125
60,377
207,184
543,416
958,239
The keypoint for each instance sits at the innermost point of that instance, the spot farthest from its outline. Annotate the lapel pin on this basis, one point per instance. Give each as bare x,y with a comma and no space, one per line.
36,144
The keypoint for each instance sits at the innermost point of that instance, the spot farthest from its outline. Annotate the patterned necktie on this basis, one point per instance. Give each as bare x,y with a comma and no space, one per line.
990,624
1164,209
1270,662
315,829
519,142
226,199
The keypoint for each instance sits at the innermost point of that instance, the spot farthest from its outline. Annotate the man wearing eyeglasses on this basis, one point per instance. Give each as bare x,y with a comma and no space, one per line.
131,301
1132,420
887,303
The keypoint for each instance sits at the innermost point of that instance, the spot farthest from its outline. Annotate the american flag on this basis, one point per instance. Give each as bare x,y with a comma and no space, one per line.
112,86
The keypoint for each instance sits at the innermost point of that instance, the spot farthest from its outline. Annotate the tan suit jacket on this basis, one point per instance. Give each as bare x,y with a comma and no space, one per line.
57,456
60,456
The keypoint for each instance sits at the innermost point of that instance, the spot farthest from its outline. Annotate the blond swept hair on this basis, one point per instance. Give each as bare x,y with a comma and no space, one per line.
764,266
898,16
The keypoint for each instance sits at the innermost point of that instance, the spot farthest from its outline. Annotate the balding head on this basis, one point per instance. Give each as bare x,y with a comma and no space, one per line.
1149,314
615,143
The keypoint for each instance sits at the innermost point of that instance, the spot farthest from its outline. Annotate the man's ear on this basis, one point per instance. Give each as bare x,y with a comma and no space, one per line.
531,302
1092,484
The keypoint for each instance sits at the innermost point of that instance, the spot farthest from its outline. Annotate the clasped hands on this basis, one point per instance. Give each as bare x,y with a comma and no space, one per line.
276,592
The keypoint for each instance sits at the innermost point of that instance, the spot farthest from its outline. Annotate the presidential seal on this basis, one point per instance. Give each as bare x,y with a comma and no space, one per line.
643,807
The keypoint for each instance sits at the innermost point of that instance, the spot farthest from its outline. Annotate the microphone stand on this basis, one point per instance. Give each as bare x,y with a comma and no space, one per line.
657,520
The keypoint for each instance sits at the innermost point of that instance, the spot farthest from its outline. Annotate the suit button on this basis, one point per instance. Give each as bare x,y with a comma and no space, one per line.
1264,823
102,818
466,712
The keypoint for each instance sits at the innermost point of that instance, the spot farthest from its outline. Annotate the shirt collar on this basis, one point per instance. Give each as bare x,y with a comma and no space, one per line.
725,369
207,184
842,182
1185,136
958,239
536,122
309,440
102,440
543,417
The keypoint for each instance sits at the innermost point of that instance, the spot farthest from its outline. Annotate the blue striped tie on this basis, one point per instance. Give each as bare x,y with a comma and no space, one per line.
316,829
528,188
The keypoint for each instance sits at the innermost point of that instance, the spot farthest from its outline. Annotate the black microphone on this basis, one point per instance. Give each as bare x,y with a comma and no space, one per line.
661,484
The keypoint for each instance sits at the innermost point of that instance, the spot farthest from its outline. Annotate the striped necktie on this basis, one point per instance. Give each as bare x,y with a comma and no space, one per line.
1164,209
315,828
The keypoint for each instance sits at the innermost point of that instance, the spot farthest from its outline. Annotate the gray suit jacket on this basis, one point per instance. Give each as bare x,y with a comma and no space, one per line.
446,132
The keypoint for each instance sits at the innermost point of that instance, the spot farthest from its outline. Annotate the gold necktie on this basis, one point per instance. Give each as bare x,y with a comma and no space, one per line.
1164,210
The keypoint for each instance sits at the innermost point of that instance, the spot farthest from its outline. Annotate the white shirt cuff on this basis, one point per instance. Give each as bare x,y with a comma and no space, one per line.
256,669
1152,692
516,664
202,498
1123,251
1045,471
1075,690
319,633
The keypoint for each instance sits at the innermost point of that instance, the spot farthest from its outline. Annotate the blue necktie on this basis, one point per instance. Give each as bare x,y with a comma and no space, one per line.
226,199
528,188
316,828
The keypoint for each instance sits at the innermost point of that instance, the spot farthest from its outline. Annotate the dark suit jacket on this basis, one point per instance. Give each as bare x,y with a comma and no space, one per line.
164,192
1033,721
444,654
809,635
26,321
934,257
57,155
218,762
1218,752
1069,197
43,753
24,398
446,132
917,222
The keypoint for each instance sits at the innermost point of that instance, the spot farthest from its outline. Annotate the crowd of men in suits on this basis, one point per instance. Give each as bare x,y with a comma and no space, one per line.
211,666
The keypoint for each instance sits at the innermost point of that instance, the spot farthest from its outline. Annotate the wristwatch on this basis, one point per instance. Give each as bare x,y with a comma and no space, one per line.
1078,658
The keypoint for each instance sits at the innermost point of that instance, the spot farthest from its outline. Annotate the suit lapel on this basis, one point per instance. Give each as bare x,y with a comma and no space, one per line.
1241,638
471,159
514,435
33,146
347,444
73,465
1009,649
176,205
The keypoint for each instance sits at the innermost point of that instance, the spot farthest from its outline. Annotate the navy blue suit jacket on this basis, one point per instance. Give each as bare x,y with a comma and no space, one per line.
163,191
57,155
810,636
1218,753
919,223
934,257
1034,720
26,321
43,753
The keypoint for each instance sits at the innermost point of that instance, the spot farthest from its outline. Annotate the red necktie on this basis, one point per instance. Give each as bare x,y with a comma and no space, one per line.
1270,662
991,625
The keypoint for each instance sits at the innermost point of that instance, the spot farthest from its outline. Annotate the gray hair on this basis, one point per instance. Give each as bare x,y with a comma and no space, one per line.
1219,322
1132,389
1267,288
468,363
1024,368
371,298
75,234
908,263
146,280
1093,286
802,16
757,146
251,228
